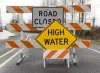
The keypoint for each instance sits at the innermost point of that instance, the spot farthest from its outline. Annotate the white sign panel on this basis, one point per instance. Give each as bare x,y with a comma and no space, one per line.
42,16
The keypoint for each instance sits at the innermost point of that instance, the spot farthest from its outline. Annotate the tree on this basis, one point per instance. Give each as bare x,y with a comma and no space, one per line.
49,2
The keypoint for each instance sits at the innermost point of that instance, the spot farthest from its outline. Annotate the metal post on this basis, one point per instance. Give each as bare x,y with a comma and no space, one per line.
68,63
22,56
73,49
74,56
44,60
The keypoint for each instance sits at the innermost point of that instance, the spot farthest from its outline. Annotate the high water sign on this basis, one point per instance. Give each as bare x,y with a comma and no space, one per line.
56,37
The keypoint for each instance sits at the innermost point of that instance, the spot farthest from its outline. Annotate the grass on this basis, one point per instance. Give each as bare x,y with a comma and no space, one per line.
95,41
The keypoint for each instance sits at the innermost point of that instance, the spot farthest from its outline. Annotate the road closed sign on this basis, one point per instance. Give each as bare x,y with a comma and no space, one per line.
56,37
42,16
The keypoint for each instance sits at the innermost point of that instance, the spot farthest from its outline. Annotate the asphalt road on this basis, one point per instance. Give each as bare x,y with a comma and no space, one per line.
88,61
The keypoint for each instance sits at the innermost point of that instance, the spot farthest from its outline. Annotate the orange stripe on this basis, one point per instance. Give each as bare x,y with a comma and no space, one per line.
65,10
29,7
16,27
88,24
12,44
86,43
78,8
65,52
30,26
17,9
75,46
51,54
76,26
89,6
27,44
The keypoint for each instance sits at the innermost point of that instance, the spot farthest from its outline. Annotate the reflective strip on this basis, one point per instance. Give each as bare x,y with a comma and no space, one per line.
56,54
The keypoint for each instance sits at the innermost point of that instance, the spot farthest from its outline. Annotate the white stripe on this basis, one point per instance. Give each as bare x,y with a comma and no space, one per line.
70,27
25,9
9,27
46,53
5,62
18,42
10,9
85,8
40,28
35,44
84,26
69,8
80,44
7,53
56,54
66,56
8,46
95,50
24,27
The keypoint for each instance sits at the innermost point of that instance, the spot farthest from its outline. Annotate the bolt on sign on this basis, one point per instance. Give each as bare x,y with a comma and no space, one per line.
56,37
43,15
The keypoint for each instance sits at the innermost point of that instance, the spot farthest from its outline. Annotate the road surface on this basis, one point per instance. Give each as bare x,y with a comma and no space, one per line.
88,61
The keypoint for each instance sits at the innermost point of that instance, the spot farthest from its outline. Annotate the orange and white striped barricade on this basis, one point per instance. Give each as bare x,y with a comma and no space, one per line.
22,43
56,54
77,8
77,26
19,9
47,54
28,27
81,44
67,9
23,27
34,44
81,26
